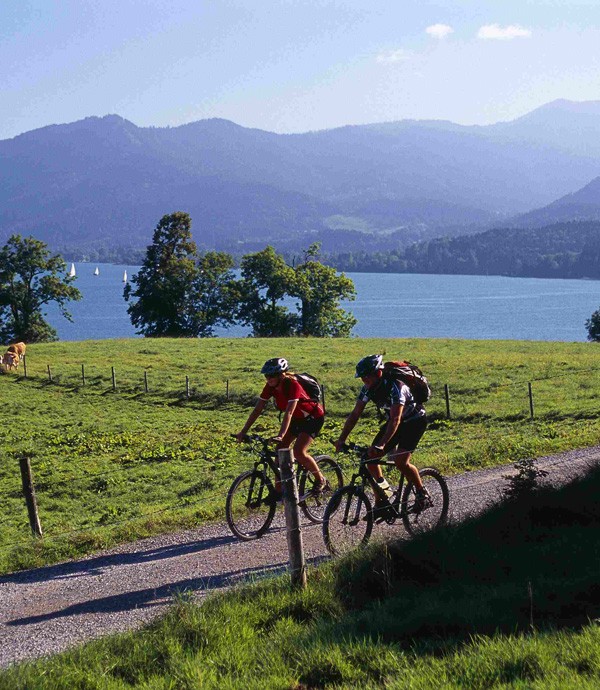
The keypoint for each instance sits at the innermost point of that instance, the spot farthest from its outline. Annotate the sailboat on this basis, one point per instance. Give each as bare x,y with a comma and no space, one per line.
124,276
72,273
96,271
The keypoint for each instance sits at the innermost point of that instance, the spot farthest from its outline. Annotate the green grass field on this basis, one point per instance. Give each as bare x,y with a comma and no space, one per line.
112,465
509,600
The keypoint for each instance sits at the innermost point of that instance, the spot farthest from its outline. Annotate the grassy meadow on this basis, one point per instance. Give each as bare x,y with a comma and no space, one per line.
509,600
113,465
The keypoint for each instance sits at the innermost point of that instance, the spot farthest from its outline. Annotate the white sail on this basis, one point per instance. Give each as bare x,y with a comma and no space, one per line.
124,276
97,271
72,270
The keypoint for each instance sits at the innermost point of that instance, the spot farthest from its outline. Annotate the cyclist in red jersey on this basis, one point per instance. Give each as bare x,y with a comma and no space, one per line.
302,420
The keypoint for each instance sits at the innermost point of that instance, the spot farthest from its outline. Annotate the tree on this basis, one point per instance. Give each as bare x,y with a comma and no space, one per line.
214,293
266,280
165,282
593,326
320,290
30,278
178,292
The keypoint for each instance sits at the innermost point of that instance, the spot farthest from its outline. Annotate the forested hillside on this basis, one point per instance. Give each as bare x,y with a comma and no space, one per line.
102,183
564,250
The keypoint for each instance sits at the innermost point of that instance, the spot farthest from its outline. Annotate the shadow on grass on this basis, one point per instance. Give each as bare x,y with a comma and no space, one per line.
524,565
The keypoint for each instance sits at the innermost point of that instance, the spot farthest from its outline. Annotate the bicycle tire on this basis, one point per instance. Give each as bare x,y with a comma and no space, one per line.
348,520
419,522
248,512
314,506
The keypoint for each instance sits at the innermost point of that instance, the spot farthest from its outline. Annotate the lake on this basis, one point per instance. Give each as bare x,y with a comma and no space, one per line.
388,305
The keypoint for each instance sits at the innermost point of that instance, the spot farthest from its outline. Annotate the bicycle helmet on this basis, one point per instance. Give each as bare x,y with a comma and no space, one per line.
274,366
368,365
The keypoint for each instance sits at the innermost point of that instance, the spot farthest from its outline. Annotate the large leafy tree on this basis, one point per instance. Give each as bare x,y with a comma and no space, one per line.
214,294
593,326
266,280
320,290
30,278
164,284
177,292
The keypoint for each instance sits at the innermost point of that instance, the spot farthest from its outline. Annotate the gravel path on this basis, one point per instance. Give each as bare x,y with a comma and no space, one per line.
50,609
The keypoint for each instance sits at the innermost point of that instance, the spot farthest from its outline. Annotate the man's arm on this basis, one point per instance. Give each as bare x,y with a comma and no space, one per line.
392,426
350,423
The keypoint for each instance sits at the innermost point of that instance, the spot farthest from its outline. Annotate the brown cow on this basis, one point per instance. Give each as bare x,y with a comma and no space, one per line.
18,348
9,360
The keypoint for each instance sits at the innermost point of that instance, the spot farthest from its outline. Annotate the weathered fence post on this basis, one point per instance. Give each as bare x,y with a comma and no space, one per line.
145,381
227,389
114,379
187,386
25,366
323,395
447,394
83,374
49,374
292,518
530,399
29,493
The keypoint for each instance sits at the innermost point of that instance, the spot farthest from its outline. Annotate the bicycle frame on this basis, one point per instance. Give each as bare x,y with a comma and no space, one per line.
366,477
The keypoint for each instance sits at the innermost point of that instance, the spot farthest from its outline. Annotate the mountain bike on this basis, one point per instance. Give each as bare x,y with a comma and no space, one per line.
252,499
349,515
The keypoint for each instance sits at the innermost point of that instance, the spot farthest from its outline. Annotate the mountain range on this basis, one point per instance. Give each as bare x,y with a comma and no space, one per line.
105,181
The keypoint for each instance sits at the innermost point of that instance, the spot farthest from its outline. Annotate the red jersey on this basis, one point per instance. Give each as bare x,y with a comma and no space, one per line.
290,390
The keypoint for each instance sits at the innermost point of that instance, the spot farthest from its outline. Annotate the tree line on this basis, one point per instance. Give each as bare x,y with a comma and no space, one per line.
181,292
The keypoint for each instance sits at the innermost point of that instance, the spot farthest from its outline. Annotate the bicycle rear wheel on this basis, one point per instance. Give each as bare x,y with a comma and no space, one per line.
419,521
313,506
250,505
348,520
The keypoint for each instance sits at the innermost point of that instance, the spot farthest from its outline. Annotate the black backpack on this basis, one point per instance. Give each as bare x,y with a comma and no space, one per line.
412,376
311,387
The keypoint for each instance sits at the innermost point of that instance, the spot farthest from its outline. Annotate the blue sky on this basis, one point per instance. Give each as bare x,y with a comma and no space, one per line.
292,65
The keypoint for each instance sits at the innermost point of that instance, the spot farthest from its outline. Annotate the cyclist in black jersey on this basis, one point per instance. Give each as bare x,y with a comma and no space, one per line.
398,436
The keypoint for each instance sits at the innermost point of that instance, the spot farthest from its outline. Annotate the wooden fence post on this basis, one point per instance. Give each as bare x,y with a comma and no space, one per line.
29,493
145,381
227,389
447,394
49,374
530,399
114,379
25,366
187,386
292,518
83,374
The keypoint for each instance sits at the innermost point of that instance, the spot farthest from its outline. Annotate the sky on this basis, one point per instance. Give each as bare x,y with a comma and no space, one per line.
292,65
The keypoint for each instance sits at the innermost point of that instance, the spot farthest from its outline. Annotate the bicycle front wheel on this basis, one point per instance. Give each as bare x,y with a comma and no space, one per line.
348,520
417,521
250,505
313,505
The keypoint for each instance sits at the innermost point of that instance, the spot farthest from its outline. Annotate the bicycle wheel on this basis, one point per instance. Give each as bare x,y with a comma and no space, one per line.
348,520
313,506
420,521
249,507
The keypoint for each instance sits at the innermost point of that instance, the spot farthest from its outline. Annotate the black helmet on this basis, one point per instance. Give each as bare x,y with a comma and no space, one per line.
368,365
274,366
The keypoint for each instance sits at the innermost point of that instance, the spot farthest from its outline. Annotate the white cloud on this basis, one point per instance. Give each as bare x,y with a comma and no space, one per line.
439,30
503,33
391,56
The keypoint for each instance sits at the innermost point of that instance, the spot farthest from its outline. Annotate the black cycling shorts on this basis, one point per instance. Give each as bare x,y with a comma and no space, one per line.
309,425
407,436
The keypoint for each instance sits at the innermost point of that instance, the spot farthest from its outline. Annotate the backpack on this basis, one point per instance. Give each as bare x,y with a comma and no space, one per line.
412,376
310,386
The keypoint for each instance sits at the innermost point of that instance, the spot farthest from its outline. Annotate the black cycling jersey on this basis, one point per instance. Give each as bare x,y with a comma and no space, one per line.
390,392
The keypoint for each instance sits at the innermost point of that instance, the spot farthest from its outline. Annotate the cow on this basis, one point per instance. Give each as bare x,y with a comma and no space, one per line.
9,360
18,348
